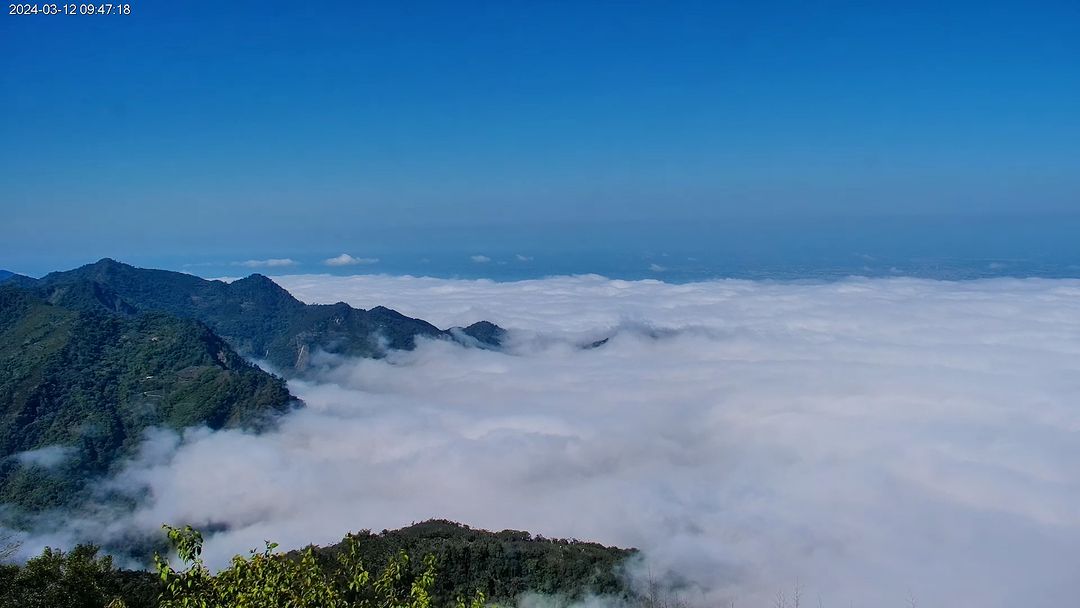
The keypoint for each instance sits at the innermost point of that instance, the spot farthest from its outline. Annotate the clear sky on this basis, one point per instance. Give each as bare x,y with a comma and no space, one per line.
195,131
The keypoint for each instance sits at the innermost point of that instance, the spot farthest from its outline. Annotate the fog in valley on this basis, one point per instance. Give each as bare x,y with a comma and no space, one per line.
875,439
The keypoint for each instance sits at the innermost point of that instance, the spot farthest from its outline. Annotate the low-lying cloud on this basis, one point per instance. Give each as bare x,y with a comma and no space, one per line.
871,438
47,457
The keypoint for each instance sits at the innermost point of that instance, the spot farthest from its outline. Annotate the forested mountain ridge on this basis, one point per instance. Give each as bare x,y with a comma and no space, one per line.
260,319
502,565
7,275
79,386
451,562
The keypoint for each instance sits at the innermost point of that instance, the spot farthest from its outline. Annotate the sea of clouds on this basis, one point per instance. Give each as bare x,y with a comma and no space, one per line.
875,439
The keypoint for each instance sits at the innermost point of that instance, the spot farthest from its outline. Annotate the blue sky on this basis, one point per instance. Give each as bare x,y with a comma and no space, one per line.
225,131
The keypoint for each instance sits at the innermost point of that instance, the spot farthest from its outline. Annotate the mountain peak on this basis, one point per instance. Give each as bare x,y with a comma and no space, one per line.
110,263
256,278
101,268
487,333
261,284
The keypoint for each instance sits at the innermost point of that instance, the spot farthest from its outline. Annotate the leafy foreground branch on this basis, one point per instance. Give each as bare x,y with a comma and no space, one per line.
81,578
270,579
502,565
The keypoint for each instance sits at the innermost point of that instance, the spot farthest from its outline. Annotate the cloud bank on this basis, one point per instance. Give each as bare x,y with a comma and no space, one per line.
872,438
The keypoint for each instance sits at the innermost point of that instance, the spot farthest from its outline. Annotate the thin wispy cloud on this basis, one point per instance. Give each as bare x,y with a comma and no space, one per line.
523,258
348,260
269,263
46,457
480,259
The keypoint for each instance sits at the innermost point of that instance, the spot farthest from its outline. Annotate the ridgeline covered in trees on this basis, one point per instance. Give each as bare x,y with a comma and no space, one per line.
436,563
257,317
79,386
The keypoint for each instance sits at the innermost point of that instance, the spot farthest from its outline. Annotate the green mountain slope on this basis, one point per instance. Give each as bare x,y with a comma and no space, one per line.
263,321
79,387
85,296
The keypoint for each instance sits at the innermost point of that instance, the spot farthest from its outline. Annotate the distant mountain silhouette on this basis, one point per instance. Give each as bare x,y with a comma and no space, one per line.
256,316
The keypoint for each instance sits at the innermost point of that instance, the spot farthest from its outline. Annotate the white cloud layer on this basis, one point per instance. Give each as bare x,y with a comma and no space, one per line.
270,263
872,438
348,260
